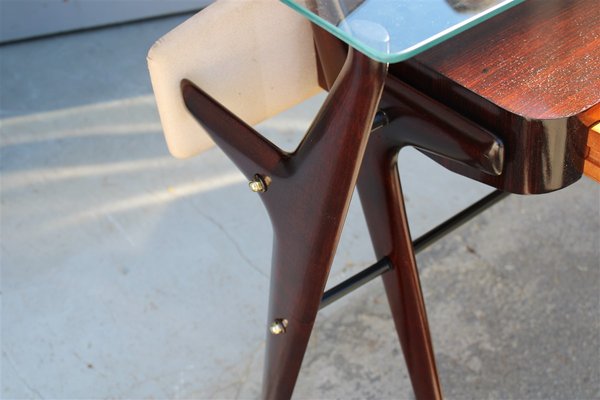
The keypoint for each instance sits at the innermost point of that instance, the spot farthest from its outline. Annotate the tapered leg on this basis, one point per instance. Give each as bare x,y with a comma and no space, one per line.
309,212
307,195
381,197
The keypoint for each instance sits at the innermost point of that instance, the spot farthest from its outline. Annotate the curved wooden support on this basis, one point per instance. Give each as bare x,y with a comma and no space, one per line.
307,210
307,199
485,74
310,189
247,148
415,120
381,197
420,121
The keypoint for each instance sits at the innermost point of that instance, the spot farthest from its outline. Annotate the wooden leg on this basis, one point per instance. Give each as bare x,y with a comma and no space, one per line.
422,122
307,197
381,197
308,192
309,215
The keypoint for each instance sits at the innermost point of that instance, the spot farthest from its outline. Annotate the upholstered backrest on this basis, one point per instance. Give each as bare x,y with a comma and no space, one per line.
256,57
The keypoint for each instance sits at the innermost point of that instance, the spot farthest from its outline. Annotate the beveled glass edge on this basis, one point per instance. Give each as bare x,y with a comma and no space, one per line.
413,50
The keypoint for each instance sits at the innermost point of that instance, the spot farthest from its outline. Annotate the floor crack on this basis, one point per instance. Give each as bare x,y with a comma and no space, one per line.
231,239
23,381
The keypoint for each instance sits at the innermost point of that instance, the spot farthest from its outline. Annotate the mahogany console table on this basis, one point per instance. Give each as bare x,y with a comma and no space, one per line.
511,103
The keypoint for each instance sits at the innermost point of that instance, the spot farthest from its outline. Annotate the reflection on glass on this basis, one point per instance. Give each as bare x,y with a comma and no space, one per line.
471,6
394,30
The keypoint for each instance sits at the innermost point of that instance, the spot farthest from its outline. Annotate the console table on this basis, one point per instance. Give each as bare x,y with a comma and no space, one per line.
510,102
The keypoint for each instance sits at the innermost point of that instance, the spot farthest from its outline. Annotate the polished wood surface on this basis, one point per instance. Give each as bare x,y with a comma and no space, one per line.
540,59
331,53
422,122
414,120
383,204
529,75
307,199
491,121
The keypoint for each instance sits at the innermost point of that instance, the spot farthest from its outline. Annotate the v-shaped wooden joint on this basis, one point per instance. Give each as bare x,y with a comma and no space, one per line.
310,189
307,200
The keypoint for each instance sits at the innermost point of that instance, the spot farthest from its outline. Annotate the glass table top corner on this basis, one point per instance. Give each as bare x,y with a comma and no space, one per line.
391,31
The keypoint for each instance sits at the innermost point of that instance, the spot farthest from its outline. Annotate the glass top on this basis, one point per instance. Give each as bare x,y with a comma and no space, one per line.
394,30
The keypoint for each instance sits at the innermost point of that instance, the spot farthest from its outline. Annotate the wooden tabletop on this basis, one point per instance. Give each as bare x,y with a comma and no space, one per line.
531,75
540,60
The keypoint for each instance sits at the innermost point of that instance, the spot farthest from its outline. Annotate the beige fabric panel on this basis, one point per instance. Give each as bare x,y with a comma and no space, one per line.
256,57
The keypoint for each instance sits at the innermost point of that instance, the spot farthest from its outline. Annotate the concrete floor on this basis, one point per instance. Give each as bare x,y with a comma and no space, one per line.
128,274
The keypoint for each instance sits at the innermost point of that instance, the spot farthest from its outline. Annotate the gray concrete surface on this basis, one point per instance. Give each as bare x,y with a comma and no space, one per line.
127,274
37,18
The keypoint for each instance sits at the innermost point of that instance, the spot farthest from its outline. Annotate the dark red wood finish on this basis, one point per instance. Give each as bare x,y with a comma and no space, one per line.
307,200
529,75
310,190
381,197
506,103
331,53
415,120
420,121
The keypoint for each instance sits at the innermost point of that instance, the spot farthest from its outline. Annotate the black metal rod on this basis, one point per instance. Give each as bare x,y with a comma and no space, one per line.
355,281
384,265
458,220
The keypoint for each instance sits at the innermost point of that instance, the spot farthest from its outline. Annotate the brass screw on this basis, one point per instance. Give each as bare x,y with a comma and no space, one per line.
258,184
279,326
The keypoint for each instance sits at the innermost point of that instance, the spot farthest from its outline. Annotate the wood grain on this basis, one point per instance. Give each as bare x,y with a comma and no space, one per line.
307,200
540,60
383,204
528,75
508,103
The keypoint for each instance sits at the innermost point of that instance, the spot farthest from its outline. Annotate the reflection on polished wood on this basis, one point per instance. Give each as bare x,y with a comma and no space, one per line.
509,103
528,75
307,199
381,197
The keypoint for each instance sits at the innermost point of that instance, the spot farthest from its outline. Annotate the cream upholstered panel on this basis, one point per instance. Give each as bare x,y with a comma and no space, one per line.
256,57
